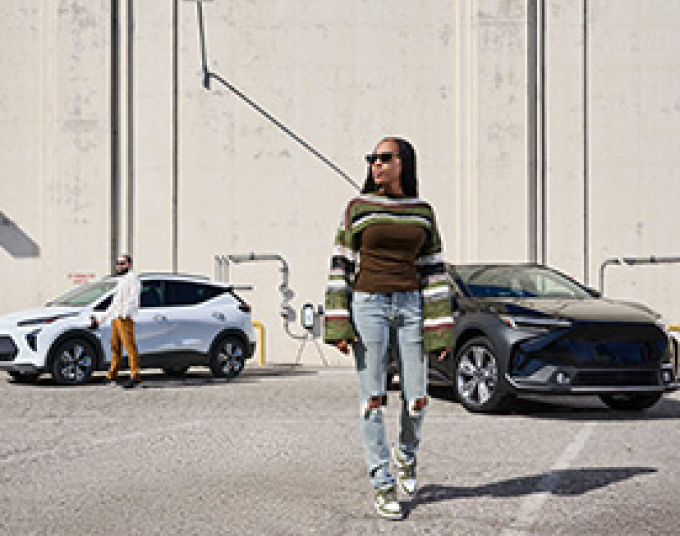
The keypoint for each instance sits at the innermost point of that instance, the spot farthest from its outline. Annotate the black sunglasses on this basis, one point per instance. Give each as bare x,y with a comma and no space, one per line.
121,263
383,157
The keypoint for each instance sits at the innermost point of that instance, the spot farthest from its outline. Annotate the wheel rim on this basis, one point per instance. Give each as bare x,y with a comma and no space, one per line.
477,376
75,363
230,357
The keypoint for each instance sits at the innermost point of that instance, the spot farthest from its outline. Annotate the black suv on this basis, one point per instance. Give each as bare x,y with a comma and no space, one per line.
526,328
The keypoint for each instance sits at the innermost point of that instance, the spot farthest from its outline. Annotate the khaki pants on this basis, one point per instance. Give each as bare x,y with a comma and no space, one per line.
123,331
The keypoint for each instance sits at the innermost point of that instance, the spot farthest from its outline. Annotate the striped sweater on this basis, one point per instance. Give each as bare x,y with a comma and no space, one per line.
361,212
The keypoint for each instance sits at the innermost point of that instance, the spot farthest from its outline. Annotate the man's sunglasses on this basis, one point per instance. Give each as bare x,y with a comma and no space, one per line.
121,263
383,157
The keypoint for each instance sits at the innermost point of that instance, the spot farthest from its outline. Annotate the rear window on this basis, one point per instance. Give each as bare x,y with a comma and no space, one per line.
183,293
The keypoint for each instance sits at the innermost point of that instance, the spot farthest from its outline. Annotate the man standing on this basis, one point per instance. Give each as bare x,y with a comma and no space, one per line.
123,310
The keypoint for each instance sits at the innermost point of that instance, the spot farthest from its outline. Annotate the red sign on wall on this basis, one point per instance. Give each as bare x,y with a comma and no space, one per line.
80,278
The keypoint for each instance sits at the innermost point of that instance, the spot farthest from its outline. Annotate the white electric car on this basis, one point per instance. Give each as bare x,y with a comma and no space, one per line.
183,321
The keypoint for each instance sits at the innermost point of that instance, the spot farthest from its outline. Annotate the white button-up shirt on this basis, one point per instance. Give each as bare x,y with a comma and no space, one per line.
125,302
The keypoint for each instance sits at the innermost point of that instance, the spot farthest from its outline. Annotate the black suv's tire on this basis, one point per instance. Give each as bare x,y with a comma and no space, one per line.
478,382
175,372
73,362
228,357
631,401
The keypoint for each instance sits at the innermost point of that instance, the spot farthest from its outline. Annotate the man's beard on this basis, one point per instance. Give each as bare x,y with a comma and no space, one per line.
122,271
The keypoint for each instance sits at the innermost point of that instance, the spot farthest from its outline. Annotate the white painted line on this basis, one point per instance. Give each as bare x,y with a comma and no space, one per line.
531,506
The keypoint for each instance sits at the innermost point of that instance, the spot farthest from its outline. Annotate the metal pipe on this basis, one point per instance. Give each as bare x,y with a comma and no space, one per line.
206,75
532,129
634,261
287,293
175,136
130,142
253,257
586,151
115,130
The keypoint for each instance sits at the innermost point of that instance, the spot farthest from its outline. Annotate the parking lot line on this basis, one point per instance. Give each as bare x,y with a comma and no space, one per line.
530,507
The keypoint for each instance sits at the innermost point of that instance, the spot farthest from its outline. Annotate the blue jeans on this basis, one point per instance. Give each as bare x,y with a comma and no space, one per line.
378,319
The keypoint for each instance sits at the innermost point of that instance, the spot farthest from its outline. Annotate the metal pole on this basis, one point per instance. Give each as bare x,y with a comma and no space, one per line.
207,75
586,153
532,130
175,134
115,130
130,128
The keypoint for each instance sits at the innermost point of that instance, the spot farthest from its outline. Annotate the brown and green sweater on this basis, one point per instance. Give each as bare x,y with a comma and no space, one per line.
369,209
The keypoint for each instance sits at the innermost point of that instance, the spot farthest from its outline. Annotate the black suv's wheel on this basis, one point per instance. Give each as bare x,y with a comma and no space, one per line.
228,357
73,361
478,383
631,401
175,372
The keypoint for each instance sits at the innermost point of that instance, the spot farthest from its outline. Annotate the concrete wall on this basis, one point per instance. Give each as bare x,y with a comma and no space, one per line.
582,97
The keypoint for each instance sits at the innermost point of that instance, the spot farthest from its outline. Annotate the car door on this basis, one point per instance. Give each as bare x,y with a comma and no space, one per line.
154,327
197,323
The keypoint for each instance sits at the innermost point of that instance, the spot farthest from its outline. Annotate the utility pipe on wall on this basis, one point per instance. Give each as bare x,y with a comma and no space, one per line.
634,261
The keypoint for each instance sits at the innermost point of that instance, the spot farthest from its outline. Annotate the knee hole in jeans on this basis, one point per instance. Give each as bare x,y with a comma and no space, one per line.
372,404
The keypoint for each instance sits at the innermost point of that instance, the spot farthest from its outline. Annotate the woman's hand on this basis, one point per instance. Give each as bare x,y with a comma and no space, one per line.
443,354
344,345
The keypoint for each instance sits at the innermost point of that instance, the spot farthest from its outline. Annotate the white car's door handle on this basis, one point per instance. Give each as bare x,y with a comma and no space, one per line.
218,316
160,318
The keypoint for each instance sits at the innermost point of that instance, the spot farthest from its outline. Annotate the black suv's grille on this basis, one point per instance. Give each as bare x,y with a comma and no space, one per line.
616,378
8,350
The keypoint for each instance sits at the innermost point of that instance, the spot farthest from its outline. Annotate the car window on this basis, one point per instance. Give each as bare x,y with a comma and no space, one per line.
183,293
152,294
85,294
519,282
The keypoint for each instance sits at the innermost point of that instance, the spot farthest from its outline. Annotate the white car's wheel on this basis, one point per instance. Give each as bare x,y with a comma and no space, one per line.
73,361
228,357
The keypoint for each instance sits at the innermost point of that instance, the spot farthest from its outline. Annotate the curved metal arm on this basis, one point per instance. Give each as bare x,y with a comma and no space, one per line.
634,261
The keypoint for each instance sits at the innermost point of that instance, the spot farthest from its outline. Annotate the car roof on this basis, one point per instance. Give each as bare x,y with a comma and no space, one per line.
171,276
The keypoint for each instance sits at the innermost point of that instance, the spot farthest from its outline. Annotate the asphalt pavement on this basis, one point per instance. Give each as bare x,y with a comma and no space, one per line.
278,452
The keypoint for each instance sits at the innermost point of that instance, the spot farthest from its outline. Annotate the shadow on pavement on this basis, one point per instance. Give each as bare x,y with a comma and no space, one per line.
574,408
199,377
193,378
568,482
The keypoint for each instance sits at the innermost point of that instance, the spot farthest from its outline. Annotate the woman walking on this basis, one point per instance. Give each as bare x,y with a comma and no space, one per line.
388,283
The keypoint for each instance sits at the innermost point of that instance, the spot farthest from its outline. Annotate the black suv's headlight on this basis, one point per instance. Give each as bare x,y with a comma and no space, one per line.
534,324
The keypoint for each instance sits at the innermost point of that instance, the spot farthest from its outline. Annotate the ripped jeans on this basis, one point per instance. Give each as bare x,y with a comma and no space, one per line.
379,318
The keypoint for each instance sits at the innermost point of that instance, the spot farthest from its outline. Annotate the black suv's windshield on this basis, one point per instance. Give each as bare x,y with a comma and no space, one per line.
518,282
84,295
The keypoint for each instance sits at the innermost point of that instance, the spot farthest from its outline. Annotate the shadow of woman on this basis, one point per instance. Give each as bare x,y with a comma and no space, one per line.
567,482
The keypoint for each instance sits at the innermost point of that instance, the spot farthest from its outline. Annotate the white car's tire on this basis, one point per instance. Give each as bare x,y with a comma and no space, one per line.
227,357
73,361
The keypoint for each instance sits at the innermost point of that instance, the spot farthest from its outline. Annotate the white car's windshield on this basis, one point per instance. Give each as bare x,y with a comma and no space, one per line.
518,282
84,295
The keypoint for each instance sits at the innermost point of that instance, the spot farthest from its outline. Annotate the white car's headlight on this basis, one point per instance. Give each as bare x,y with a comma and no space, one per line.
44,320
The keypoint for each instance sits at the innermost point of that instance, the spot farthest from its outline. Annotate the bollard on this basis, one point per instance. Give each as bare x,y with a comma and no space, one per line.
260,347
